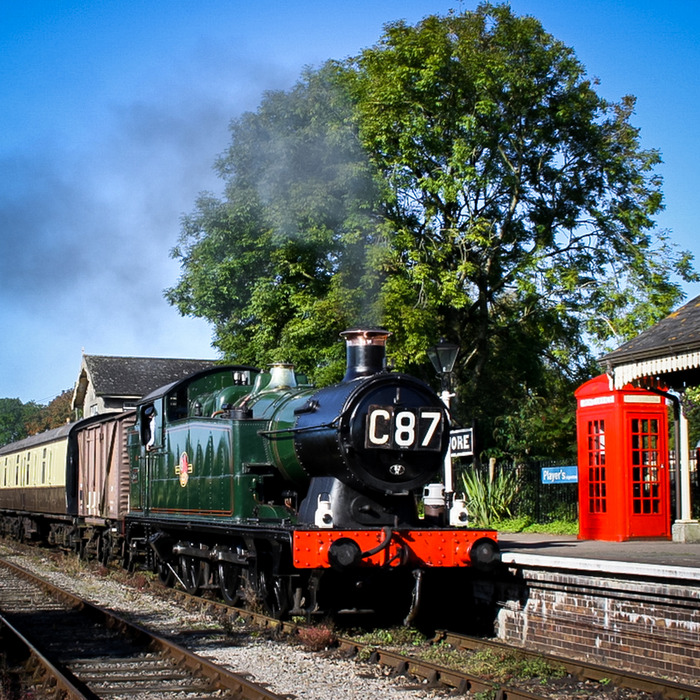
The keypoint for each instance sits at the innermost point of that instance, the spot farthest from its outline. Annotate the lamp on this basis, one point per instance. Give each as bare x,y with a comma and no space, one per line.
443,356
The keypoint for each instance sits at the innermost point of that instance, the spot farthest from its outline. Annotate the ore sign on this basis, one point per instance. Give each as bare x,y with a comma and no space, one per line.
462,442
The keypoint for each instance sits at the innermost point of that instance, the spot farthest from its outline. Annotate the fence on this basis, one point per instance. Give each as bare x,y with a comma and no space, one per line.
694,483
544,502
540,503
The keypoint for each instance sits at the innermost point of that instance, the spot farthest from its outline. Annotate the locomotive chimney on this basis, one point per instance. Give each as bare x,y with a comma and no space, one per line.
365,352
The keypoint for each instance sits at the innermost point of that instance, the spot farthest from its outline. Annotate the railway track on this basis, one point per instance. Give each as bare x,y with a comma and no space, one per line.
656,687
419,672
80,675
603,681
426,673
83,651
404,663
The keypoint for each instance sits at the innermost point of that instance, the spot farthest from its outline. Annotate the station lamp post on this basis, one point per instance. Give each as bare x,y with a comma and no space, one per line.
443,356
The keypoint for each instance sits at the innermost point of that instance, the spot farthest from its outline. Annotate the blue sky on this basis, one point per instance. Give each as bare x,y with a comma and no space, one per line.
112,113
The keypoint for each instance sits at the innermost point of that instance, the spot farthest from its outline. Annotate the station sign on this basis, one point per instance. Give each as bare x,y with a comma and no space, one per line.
560,475
462,442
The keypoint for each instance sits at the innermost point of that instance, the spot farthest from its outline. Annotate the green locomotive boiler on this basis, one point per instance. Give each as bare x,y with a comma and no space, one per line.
304,499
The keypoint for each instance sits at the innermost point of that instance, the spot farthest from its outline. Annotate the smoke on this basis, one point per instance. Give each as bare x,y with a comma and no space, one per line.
88,222
99,224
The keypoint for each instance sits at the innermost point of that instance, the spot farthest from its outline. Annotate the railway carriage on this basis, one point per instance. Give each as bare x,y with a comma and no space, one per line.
69,486
33,473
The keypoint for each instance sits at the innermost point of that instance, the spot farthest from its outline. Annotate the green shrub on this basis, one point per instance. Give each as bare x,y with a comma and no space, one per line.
489,500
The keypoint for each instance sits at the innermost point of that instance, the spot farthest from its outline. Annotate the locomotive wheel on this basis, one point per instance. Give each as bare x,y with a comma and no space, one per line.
274,594
230,582
165,573
191,574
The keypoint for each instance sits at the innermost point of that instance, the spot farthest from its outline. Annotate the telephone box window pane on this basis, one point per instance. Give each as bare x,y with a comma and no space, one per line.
596,466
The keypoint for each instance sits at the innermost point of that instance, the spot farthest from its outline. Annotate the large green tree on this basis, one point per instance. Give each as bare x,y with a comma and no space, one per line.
461,178
521,202
12,421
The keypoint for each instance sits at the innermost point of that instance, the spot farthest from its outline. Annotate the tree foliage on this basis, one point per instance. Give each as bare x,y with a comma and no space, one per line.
690,400
13,416
19,420
54,415
461,178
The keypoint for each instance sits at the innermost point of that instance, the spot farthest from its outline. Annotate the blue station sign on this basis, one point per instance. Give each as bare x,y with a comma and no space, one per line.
560,475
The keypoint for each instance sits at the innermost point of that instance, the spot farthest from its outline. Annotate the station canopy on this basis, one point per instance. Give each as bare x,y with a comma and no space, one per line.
667,354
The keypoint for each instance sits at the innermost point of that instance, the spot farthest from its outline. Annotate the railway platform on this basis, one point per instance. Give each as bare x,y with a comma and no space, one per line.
634,604
654,557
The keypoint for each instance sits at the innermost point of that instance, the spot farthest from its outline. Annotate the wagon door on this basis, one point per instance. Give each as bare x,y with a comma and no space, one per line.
112,495
90,450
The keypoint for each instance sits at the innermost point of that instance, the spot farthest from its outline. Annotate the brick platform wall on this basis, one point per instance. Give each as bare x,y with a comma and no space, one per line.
648,626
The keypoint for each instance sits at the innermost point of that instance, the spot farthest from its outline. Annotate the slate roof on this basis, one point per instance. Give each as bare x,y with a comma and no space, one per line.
137,376
669,350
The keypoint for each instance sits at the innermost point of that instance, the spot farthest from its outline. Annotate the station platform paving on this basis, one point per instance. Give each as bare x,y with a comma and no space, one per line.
654,557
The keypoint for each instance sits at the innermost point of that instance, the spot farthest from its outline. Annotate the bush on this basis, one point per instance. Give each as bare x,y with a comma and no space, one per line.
517,524
317,638
489,500
525,524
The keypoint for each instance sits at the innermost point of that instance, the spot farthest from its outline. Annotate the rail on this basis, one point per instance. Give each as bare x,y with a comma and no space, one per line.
90,652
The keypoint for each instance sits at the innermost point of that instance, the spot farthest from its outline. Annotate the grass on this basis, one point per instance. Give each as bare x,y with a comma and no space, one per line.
505,666
401,637
497,666
392,636
525,524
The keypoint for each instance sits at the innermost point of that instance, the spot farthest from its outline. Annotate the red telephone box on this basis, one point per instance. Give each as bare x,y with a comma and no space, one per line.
622,462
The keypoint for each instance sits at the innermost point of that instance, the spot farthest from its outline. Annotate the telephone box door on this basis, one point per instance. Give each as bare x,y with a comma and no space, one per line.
648,476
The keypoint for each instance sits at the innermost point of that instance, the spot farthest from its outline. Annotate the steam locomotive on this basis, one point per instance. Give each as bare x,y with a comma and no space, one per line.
301,500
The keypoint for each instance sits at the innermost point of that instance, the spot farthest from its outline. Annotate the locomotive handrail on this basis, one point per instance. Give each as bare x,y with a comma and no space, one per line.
282,432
